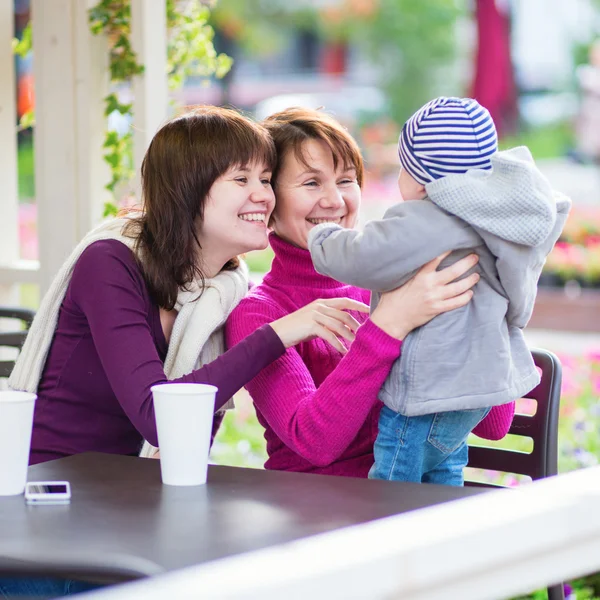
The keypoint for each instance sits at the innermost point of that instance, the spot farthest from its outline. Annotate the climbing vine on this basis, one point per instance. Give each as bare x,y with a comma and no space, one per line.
190,52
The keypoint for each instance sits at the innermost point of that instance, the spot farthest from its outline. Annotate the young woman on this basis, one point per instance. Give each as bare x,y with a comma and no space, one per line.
317,403
101,338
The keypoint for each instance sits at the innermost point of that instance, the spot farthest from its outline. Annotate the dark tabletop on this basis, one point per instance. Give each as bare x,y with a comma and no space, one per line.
126,523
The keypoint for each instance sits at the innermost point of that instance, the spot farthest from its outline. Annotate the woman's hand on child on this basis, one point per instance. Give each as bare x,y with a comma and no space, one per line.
429,293
326,319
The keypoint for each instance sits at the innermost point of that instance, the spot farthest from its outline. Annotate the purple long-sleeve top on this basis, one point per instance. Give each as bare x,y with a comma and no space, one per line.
108,351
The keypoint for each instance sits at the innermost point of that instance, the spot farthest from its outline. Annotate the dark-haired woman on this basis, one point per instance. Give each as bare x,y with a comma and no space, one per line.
101,338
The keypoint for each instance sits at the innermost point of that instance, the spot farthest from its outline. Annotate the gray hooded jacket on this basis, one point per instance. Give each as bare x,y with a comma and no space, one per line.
475,356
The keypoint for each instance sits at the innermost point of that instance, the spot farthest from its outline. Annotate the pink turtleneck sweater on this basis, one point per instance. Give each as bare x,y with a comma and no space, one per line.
320,408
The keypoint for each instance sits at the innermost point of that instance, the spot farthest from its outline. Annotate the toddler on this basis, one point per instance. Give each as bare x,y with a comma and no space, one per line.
459,194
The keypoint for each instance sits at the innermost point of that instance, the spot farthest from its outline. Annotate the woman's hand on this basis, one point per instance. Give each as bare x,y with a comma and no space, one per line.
428,294
322,318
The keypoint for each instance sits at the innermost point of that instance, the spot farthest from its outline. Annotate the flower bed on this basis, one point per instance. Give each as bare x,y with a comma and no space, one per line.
569,288
576,256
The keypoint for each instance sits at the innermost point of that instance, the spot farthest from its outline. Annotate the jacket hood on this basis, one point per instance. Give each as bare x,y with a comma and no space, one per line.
513,201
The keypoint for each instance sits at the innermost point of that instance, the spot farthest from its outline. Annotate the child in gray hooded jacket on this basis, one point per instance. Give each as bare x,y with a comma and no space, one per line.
460,194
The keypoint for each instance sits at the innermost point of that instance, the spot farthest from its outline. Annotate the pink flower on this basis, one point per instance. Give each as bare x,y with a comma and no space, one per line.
571,385
593,356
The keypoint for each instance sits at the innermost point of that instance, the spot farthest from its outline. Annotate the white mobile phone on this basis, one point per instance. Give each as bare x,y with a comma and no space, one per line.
48,492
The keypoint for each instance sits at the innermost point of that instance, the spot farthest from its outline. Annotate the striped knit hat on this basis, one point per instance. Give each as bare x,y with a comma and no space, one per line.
447,135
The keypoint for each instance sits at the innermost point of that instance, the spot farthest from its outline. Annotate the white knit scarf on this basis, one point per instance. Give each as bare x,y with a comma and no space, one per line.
197,337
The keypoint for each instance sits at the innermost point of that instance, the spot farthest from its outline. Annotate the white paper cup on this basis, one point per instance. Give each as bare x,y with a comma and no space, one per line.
16,423
184,415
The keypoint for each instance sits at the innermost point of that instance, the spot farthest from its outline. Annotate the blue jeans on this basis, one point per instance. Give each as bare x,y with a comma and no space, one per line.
425,449
29,587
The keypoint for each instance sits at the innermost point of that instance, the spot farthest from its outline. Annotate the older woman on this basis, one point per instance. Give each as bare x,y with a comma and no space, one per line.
318,403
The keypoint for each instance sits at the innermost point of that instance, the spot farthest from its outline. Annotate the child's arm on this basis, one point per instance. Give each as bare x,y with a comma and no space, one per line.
388,252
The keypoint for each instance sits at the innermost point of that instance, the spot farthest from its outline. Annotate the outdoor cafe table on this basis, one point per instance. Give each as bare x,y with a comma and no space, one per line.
122,523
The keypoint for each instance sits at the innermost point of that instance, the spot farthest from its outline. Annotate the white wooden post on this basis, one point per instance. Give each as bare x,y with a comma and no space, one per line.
150,108
9,201
70,81
91,87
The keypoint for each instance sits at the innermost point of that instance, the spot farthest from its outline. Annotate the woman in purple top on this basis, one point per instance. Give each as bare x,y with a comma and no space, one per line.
207,199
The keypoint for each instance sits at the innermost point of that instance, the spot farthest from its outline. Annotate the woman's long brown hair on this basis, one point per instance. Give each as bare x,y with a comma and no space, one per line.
185,157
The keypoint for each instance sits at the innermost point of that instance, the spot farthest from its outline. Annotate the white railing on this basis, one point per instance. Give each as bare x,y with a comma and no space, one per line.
487,547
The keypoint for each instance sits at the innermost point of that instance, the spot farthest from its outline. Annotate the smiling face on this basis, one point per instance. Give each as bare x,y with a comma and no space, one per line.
313,191
236,213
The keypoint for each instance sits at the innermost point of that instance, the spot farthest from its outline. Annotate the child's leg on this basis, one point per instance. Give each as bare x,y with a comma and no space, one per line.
447,453
400,446
451,470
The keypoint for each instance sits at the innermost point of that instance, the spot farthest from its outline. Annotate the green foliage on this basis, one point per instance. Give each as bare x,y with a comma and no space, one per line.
29,295
190,52
240,441
113,104
259,261
548,141
25,168
119,156
261,28
22,47
588,588
113,18
27,120
412,42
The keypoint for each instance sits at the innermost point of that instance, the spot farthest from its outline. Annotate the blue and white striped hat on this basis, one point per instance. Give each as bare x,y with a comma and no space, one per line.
447,135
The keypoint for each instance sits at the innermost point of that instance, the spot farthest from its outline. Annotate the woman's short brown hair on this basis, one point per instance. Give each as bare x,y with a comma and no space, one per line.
292,127
185,157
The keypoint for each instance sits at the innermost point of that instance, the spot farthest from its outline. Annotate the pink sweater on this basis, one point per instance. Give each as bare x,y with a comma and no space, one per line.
318,407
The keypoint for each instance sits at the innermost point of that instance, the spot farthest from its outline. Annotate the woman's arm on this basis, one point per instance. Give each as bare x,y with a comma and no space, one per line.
318,424
108,288
497,423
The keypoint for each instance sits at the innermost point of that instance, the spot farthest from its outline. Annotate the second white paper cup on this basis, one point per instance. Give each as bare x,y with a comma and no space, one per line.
16,423
184,415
